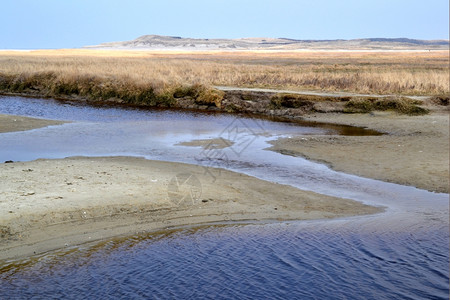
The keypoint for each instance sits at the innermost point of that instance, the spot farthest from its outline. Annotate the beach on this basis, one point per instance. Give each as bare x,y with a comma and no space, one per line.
413,151
52,204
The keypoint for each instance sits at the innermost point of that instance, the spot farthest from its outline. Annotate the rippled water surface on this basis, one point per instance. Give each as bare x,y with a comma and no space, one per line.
276,261
400,254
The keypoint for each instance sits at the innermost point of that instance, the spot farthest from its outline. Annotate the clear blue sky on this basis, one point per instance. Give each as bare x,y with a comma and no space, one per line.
32,24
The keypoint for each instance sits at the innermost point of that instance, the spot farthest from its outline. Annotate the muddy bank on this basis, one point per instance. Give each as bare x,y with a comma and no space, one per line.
261,102
9,123
415,150
51,204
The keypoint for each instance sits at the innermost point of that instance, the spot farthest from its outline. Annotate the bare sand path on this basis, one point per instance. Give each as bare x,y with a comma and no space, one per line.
314,93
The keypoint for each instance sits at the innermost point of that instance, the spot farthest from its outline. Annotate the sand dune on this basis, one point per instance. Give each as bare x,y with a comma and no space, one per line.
170,42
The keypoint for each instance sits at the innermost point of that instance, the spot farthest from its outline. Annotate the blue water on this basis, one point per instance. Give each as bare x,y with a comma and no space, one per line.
276,261
400,254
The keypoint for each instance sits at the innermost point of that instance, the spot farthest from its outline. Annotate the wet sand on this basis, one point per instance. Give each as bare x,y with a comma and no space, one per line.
218,143
415,150
10,123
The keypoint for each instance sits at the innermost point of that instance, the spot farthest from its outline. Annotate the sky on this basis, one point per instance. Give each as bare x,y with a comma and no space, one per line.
43,24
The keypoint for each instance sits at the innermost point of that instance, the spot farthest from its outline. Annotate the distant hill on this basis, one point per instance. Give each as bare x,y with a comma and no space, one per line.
154,42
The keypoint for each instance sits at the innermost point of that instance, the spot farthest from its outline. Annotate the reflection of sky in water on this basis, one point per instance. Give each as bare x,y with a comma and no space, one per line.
115,131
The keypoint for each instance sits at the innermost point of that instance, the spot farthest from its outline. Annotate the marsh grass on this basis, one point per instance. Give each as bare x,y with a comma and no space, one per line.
208,96
399,104
95,88
163,78
425,73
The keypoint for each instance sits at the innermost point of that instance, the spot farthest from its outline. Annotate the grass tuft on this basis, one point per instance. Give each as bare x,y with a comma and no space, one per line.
359,105
208,96
401,105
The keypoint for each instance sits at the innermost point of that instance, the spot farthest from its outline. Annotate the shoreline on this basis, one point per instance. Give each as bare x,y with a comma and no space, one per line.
52,204
267,103
414,151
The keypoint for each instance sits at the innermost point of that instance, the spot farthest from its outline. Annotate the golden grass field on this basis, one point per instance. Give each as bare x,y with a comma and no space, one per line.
406,73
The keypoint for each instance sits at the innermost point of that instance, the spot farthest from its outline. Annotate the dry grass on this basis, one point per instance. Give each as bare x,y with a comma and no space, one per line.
133,74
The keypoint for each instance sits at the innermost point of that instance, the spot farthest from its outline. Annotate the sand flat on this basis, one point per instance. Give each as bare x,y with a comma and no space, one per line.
415,150
11,123
50,204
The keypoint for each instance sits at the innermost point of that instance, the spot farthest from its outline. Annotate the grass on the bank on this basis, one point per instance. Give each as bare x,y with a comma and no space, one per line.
399,104
356,104
96,88
131,74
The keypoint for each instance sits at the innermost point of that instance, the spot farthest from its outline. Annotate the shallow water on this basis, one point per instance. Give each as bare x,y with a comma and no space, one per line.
402,253
276,261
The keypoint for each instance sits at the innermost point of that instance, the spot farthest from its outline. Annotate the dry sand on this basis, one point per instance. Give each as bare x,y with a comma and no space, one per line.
50,204
415,150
